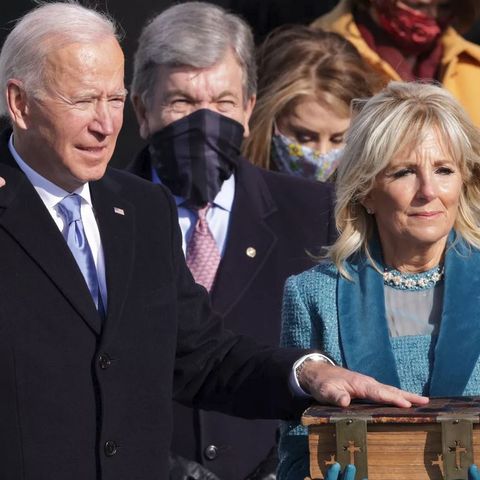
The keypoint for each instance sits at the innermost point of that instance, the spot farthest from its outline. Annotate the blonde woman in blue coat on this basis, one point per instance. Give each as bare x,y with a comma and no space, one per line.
398,295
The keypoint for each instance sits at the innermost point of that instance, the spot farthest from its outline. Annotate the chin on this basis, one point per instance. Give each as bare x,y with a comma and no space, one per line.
423,238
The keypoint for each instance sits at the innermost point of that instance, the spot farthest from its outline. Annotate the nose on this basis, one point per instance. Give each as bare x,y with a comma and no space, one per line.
103,119
427,189
323,147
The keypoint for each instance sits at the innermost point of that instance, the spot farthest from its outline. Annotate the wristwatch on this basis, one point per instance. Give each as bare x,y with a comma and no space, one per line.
299,365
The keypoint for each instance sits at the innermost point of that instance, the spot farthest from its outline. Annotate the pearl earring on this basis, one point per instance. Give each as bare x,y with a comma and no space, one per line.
370,211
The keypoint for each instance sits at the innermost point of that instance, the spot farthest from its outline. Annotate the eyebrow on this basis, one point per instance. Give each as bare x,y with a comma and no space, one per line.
92,94
406,164
182,93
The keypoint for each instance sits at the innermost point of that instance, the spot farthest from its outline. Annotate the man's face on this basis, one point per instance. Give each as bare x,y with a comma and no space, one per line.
180,91
67,133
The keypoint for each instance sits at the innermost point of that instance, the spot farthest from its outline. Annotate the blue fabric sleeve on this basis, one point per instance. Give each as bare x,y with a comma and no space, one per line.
296,332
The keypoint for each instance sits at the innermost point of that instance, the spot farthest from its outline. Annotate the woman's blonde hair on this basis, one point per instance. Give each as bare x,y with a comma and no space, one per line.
296,62
396,120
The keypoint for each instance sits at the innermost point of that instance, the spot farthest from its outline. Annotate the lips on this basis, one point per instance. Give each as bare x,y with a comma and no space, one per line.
426,214
92,149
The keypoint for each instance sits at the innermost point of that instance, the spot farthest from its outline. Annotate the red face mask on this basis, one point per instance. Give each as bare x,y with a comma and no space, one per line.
411,30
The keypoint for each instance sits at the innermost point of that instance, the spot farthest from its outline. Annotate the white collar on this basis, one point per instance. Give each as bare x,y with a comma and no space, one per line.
50,193
223,199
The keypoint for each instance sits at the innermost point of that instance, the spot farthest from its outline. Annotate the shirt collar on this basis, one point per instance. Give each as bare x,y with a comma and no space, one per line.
50,193
224,198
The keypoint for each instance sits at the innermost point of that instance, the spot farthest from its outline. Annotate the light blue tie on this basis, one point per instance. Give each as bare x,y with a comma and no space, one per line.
74,234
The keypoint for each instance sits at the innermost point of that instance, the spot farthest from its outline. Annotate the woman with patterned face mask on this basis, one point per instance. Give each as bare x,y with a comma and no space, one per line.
415,39
307,79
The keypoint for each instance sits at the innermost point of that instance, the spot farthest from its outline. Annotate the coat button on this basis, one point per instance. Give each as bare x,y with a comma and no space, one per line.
110,448
104,361
211,452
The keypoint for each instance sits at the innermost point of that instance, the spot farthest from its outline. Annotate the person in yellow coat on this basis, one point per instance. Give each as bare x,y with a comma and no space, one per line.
415,39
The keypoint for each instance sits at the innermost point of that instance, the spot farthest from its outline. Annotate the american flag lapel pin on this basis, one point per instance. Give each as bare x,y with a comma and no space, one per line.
119,211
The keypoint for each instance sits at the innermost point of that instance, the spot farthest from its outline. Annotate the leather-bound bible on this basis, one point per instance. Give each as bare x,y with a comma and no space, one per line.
433,442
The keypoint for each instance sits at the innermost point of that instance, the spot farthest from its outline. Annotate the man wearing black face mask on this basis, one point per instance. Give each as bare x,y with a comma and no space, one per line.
193,92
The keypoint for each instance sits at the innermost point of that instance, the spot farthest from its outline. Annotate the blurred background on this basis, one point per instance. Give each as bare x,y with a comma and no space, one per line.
262,15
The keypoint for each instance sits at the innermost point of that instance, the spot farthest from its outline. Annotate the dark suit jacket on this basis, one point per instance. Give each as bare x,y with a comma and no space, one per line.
281,217
82,400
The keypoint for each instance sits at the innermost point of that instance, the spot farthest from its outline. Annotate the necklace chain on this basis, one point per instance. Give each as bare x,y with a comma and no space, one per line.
413,281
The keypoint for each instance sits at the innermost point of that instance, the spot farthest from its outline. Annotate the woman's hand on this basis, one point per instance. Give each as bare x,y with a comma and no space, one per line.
473,473
335,473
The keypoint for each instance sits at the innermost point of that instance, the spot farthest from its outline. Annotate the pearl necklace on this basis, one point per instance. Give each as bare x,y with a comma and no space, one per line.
413,281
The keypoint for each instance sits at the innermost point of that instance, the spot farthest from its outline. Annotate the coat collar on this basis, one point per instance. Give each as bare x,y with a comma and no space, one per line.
363,327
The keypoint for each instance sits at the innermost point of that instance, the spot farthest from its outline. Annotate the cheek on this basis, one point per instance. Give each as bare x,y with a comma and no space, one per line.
393,200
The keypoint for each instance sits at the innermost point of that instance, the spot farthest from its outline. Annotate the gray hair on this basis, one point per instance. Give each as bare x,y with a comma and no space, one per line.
48,26
397,119
192,34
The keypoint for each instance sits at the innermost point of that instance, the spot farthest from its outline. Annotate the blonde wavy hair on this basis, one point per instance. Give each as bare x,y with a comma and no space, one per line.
296,62
396,120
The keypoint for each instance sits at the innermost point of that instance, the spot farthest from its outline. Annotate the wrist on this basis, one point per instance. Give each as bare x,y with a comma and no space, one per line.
301,368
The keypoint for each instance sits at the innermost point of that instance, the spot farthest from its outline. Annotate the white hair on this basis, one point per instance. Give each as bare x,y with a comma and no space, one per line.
193,34
48,26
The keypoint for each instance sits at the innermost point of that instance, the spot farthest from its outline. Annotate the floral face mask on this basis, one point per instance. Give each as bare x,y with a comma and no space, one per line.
302,161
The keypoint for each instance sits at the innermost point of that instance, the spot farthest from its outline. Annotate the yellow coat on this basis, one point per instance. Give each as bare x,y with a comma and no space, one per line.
460,64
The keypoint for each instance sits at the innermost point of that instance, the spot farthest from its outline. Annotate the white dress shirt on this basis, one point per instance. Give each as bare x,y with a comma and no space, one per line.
51,196
218,214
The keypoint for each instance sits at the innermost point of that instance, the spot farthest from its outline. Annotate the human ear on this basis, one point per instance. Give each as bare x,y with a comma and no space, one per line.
17,103
248,113
141,114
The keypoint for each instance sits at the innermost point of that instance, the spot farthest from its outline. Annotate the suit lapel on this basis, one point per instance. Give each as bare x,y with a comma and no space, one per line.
116,222
250,239
363,328
458,345
26,219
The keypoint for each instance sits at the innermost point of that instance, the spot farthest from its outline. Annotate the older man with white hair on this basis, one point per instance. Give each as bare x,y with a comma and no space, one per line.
101,322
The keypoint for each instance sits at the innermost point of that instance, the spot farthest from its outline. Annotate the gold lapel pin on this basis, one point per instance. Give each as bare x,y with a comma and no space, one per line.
251,252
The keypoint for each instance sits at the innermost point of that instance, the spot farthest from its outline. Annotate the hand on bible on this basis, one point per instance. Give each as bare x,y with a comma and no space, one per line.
339,386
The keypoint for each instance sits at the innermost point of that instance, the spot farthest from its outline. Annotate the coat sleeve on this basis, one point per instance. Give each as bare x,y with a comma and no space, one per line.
218,370
296,332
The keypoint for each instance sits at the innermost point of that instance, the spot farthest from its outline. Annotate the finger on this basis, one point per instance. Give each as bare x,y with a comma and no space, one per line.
2,182
333,472
473,473
338,397
380,393
349,472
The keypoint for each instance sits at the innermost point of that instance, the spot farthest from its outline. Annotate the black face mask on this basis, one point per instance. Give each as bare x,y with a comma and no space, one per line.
196,154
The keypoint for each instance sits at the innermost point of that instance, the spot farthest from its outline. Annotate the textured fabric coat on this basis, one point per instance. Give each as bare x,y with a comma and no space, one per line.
282,218
460,63
347,319
83,399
